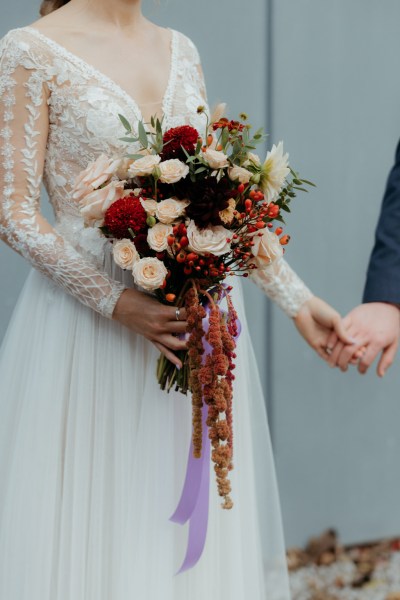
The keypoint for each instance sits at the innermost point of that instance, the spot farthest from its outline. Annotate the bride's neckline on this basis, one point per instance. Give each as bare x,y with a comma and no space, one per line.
166,101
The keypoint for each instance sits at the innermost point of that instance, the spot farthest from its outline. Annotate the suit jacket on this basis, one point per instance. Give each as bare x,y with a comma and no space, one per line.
383,276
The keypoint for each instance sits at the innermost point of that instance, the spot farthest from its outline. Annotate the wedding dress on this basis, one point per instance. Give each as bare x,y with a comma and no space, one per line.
92,453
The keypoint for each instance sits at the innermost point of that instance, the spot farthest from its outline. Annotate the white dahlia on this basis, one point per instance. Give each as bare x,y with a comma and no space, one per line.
274,172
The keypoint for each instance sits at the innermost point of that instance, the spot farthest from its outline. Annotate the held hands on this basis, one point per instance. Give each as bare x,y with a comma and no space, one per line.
155,321
317,322
376,326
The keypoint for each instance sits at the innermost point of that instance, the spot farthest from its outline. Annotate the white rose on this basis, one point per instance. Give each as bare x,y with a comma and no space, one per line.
149,205
170,210
267,248
144,166
173,170
240,174
211,240
125,253
149,273
94,206
96,174
216,159
157,237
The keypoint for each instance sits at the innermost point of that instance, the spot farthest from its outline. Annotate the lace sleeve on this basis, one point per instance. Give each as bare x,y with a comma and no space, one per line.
281,284
24,126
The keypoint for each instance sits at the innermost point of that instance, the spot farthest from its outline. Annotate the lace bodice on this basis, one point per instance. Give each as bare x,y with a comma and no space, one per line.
58,113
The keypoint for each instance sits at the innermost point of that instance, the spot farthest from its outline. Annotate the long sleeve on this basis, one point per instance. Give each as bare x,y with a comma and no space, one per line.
383,277
282,285
24,127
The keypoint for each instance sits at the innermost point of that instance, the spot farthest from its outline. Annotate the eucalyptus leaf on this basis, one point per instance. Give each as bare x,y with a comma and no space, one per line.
125,122
144,140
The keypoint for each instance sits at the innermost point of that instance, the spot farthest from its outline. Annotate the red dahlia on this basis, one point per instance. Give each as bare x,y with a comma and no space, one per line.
124,214
176,138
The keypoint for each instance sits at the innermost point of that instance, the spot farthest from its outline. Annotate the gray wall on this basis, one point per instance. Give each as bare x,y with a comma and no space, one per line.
320,74
336,99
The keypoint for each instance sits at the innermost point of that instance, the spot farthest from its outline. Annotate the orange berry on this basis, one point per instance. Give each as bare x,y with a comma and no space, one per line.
170,297
278,230
284,240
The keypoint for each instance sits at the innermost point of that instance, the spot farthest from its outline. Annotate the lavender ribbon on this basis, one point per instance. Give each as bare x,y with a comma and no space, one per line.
193,505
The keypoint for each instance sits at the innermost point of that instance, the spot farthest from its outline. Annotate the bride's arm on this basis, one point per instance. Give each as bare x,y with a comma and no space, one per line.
24,125
314,318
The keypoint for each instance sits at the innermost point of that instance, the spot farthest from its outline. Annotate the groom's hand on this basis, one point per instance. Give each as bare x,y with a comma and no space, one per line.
376,326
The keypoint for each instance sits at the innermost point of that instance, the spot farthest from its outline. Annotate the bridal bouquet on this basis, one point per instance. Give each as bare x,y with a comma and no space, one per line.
185,213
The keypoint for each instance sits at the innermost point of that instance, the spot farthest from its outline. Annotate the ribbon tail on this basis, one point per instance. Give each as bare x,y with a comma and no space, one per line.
194,503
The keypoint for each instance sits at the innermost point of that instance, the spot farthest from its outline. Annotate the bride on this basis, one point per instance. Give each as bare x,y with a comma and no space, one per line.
92,453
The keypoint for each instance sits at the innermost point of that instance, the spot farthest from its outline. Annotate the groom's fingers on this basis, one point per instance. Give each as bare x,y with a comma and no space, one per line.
369,356
387,359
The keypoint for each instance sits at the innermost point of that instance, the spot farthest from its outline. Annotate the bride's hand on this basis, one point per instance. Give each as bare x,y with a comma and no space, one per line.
155,321
316,320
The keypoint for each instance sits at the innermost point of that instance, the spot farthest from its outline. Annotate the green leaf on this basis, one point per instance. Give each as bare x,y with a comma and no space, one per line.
200,170
225,136
285,208
125,122
309,183
143,135
132,140
134,156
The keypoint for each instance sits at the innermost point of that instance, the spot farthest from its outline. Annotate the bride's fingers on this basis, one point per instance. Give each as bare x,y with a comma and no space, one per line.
342,331
334,337
335,353
168,354
177,314
172,342
176,327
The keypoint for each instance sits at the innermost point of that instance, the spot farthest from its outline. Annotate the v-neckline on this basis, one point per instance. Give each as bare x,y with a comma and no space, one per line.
111,83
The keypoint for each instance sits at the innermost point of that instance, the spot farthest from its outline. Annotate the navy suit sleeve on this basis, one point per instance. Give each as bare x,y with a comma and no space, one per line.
383,276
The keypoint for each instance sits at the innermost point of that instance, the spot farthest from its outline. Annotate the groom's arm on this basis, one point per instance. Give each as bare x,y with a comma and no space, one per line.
376,323
383,276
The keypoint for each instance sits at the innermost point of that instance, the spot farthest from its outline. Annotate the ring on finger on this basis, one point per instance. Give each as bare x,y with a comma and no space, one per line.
177,314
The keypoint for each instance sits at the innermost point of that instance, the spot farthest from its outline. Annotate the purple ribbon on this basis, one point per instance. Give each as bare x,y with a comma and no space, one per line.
193,505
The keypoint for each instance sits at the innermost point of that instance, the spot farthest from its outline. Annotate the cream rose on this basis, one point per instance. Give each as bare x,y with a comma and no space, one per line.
170,210
94,205
157,237
125,253
239,174
144,166
96,174
212,239
267,247
149,273
173,170
149,205
216,159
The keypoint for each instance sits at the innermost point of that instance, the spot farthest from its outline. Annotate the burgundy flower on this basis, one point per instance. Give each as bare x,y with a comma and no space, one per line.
176,138
208,197
124,214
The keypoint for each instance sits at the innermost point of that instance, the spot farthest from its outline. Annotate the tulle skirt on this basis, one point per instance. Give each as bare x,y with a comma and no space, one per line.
92,462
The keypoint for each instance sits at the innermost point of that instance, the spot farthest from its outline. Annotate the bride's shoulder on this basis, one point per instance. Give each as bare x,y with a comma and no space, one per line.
188,47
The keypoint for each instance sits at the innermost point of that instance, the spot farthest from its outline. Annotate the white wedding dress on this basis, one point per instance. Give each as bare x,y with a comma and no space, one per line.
92,453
